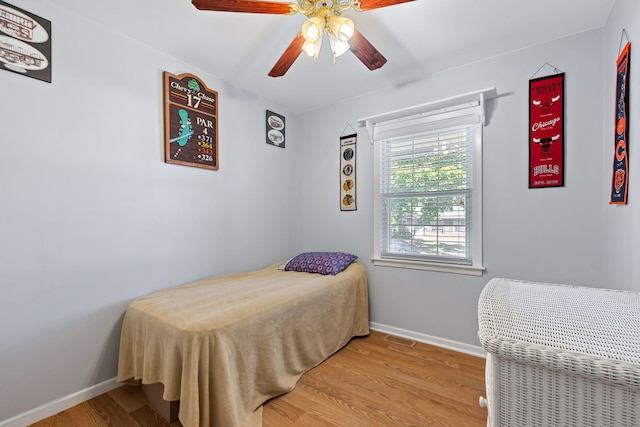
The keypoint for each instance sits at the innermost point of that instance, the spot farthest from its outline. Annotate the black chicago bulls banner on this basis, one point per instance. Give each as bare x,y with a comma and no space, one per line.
620,178
546,131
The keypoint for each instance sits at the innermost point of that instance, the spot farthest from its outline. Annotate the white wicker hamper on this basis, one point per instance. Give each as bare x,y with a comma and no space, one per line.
560,355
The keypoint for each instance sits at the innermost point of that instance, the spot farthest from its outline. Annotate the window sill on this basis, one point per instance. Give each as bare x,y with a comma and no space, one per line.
469,270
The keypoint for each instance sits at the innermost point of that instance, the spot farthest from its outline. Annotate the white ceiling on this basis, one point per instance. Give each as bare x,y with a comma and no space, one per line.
417,38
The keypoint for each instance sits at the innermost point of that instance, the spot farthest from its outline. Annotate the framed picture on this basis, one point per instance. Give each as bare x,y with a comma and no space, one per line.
25,43
546,131
348,173
190,122
275,129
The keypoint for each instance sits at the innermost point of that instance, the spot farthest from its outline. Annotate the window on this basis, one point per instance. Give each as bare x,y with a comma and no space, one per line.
428,185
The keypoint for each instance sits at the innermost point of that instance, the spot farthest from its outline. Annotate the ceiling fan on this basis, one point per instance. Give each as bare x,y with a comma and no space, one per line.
323,15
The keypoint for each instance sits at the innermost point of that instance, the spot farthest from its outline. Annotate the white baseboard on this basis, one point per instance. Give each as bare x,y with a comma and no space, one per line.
59,405
461,347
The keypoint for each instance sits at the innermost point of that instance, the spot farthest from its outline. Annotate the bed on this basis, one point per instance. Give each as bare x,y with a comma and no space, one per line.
225,345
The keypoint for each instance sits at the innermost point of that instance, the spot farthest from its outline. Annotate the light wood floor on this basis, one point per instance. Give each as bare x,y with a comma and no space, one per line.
372,382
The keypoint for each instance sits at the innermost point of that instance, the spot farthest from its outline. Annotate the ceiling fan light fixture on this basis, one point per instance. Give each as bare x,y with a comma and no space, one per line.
342,28
312,29
322,15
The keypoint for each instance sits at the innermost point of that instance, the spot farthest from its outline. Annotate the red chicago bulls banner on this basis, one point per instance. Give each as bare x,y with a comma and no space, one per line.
620,178
546,131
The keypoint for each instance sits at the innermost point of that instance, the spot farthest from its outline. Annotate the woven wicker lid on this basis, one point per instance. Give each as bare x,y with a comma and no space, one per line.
595,322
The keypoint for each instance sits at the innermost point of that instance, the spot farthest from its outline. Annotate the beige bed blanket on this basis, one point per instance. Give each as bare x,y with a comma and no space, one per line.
225,345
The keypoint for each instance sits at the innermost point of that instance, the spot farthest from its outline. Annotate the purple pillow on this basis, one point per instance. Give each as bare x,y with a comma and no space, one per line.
320,262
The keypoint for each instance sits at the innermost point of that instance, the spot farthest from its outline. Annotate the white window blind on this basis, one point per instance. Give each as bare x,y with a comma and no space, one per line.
428,185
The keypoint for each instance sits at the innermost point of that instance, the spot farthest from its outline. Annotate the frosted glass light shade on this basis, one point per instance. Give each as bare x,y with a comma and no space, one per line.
337,47
312,29
312,49
343,28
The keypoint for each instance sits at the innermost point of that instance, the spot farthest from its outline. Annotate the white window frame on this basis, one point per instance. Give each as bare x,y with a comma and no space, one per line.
465,108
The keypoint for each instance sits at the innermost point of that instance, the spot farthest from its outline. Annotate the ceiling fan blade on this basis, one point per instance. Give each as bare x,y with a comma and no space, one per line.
375,4
365,52
288,57
248,6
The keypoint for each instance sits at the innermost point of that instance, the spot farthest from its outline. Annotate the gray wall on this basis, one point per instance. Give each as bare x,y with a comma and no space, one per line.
92,217
621,224
541,234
